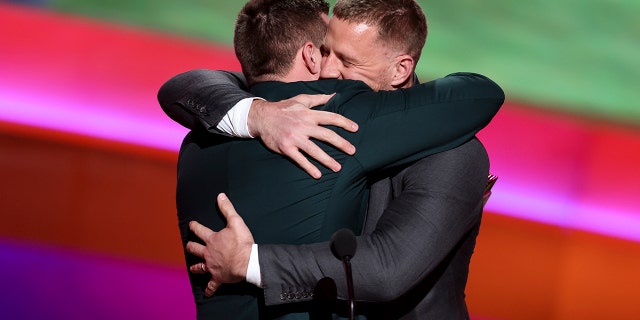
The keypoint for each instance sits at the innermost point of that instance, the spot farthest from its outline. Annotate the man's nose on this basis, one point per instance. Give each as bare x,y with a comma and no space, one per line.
330,68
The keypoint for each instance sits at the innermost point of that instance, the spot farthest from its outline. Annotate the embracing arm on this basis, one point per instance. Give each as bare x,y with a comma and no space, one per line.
440,203
200,99
406,125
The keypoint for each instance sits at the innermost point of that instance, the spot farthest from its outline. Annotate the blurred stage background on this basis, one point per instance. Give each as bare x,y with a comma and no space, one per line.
87,158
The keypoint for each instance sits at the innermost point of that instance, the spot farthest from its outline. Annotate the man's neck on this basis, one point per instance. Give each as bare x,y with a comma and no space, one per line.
266,77
290,77
414,80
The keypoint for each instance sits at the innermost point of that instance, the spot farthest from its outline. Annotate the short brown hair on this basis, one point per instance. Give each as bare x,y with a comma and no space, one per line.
268,34
401,23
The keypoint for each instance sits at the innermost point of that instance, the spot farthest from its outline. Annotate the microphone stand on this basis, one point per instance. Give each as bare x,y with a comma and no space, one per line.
350,296
343,246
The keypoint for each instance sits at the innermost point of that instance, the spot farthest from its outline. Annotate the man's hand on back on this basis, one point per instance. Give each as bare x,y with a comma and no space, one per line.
226,253
287,126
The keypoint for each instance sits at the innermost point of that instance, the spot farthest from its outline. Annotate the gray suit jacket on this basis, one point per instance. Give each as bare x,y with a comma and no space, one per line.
418,237
415,250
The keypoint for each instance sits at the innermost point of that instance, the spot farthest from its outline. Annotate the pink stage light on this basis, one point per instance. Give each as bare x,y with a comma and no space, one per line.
90,120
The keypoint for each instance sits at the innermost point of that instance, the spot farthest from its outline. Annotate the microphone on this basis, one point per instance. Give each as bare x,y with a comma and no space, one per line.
343,247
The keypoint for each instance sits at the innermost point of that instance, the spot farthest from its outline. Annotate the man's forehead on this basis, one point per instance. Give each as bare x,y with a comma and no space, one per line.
351,31
337,24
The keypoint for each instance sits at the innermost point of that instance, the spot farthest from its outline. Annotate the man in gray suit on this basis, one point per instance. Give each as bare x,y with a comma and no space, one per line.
415,254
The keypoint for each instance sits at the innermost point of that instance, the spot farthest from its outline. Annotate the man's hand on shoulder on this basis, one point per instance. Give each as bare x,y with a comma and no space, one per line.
287,126
226,253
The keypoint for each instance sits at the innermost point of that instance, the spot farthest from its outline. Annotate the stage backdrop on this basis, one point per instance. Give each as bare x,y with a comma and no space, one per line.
88,158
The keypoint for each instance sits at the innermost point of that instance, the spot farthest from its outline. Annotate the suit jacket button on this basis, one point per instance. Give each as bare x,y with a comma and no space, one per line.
283,296
291,295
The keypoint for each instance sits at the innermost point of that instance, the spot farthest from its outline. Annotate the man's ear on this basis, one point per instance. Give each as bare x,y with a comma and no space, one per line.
404,66
311,57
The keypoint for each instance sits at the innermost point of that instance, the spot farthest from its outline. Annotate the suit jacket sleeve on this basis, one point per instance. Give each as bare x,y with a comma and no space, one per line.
439,204
199,99
403,126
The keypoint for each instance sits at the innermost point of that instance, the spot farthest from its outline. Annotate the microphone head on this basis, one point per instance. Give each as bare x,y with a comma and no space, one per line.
343,244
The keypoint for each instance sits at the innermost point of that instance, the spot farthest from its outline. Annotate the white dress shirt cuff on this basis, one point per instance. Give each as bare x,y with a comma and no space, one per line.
253,269
234,123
